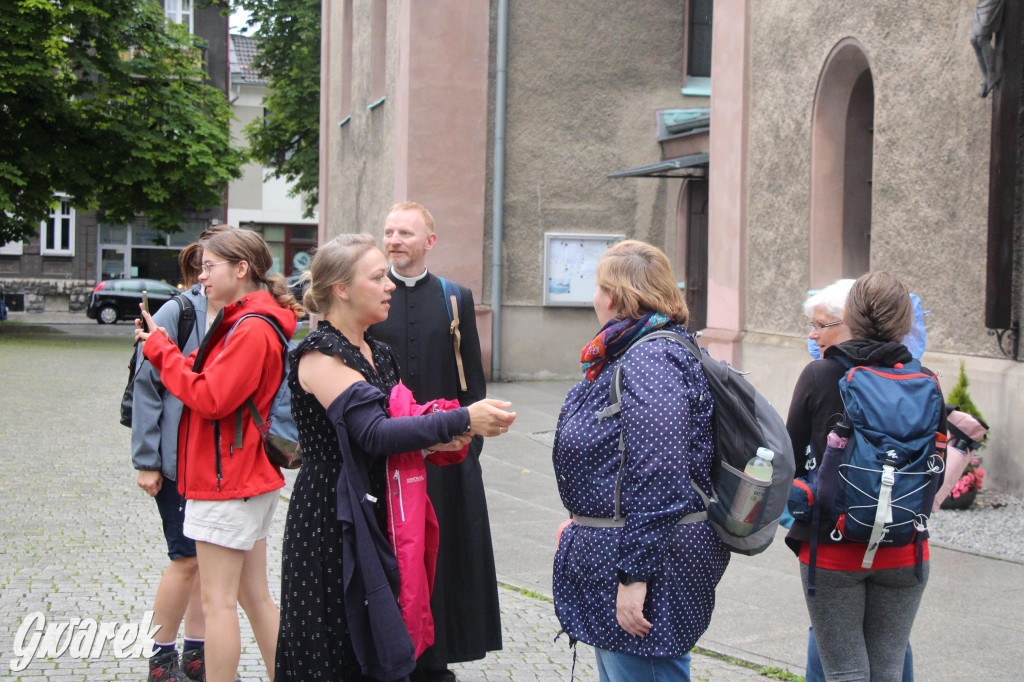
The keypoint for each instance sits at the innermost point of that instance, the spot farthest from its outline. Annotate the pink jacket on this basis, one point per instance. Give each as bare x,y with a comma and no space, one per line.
412,524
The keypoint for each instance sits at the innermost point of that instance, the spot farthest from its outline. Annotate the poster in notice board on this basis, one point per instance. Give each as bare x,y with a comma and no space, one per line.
570,265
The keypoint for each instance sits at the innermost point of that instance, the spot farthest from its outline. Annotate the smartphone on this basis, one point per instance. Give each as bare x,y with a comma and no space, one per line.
145,300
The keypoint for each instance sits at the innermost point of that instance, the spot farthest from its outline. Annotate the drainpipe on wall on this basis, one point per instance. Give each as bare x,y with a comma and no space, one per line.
498,189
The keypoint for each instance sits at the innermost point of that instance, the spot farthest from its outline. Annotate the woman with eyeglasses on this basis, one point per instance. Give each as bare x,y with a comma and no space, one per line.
156,415
230,486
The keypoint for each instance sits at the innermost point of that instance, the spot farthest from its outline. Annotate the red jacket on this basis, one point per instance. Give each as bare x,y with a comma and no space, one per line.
249,363
412,524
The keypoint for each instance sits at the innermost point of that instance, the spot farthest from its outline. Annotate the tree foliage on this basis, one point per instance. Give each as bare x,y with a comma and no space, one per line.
105,101
287,140
959,396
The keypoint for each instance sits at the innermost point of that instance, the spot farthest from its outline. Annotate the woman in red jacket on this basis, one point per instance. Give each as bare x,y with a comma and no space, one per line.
230,486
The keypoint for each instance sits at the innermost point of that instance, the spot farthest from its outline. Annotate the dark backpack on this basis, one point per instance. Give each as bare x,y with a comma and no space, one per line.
186,323
279,433
878,487
744,421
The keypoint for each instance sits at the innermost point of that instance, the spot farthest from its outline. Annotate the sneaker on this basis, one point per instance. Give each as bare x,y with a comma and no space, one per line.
164,668
194,664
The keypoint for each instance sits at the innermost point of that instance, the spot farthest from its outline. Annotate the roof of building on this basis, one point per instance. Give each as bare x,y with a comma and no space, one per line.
243,55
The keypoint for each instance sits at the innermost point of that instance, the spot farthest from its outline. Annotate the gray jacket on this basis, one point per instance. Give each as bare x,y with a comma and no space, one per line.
155,412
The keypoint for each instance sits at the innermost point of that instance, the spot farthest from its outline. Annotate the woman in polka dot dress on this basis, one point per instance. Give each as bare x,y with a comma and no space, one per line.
340,618
640,589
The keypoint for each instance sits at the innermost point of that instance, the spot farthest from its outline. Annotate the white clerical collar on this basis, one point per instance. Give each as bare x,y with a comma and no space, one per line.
408,281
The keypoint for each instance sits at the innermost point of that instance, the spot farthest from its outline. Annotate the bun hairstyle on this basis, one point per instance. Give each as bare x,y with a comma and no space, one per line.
189,260
879,308
237,245
639,279
333,263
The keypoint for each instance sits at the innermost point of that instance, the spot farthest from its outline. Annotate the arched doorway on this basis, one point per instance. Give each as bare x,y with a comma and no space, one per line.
842,151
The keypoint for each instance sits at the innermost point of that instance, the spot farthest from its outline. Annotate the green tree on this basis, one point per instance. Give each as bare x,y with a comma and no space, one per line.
287,140
107,102
959,396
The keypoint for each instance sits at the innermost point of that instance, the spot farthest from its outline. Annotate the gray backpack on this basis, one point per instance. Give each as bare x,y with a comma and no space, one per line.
744,421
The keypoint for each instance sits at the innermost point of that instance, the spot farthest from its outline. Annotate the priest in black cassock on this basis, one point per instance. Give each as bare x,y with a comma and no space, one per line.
467,620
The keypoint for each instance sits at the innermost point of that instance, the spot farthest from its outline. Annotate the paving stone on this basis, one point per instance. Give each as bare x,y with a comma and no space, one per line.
81,540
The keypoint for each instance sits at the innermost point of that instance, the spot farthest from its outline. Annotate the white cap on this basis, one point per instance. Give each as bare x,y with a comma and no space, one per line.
765,454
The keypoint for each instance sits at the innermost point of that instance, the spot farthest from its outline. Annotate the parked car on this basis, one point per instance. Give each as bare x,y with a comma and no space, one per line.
119,299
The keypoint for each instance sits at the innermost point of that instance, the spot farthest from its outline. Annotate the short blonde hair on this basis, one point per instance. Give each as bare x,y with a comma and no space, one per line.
639,279
428,219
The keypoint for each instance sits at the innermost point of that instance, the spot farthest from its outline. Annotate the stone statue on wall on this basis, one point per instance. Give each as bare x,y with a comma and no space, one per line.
988,16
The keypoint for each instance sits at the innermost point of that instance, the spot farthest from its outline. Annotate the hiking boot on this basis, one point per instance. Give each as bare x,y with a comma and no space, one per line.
164,668
193,663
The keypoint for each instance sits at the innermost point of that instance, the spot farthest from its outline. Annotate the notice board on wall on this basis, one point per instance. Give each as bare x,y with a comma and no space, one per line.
570,265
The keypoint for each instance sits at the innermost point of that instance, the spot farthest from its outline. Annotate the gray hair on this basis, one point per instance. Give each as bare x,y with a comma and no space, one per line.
832,298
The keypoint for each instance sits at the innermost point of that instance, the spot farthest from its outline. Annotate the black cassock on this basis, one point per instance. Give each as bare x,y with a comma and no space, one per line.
467,619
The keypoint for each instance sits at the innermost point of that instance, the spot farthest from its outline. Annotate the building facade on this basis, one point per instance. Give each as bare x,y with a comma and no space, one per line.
257,201
74,250
768,148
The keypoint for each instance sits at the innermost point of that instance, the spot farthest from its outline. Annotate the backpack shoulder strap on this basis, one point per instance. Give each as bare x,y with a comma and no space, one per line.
451,289
186,320
249,404
615,389
615,395
453,302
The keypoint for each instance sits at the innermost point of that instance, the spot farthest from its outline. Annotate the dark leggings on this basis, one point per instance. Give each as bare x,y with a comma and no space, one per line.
862,620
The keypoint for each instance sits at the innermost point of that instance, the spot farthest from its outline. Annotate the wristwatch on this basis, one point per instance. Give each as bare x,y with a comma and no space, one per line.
629,579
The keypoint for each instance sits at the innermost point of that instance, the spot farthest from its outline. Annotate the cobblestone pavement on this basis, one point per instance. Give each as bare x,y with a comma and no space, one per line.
80,540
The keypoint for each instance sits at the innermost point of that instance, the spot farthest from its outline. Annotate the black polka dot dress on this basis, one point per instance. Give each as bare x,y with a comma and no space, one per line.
666,420
314,643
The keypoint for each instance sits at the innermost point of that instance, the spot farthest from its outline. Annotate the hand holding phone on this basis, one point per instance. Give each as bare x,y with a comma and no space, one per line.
145,326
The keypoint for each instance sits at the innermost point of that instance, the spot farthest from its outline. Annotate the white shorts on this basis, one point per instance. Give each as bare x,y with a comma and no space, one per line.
236,524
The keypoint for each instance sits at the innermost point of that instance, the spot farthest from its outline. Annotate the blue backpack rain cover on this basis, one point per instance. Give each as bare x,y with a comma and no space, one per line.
881,486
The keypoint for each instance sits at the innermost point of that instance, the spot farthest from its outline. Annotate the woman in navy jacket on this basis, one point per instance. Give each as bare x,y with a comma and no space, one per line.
641,589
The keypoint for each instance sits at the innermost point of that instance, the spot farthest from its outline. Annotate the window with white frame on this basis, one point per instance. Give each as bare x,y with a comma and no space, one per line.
57,233
179,12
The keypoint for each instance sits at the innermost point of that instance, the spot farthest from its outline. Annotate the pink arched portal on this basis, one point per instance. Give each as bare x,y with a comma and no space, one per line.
842,149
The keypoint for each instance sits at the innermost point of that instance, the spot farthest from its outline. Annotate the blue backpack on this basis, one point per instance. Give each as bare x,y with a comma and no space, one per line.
453,302
878,489
278,431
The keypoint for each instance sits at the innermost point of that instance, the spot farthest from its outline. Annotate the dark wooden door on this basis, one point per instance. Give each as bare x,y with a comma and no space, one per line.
697,255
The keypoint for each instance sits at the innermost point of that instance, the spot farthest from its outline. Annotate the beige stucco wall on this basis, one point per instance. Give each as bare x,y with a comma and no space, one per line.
930,174
584,83
360,168
929,198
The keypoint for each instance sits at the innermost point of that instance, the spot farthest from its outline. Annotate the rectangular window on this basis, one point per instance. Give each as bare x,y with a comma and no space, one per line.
179,12
378,49
346,62
57,233
698,43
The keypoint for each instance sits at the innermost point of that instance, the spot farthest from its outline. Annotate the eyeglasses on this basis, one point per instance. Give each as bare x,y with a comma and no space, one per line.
818,327
207,266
